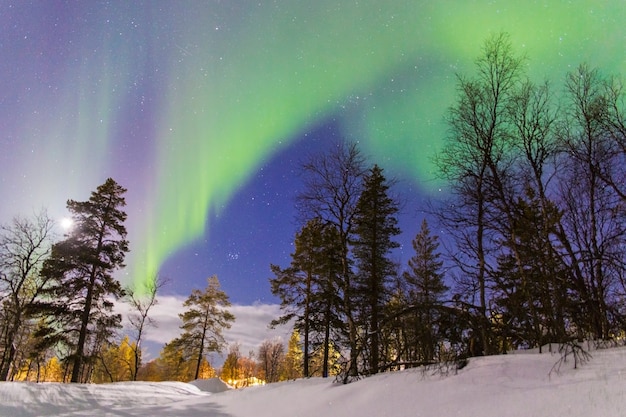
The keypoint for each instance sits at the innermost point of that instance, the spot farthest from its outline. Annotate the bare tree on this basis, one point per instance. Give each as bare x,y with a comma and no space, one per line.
477,164
141,300
333,182
271,356
593,208
613,118
24,245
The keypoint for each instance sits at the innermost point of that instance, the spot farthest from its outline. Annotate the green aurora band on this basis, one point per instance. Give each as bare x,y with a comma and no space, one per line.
239,92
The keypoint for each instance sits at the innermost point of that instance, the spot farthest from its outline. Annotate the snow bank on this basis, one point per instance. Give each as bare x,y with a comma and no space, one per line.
213,385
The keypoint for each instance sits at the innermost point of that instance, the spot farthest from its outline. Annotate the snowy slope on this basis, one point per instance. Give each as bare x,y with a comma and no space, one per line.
508,385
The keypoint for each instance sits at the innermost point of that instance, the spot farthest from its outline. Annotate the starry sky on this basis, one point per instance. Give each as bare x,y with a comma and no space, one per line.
204,110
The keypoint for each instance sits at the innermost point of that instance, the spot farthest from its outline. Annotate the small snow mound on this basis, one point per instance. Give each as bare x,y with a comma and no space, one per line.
213,385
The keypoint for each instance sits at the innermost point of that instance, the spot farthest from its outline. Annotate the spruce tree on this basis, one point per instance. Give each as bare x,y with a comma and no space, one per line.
425,288
78,307
533,292
375,228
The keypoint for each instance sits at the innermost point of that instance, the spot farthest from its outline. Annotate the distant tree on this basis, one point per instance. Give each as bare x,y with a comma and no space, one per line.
24,245
326,361
175,363
374,232
115,362
141,300
77,305
203,321
249,369
425,290
292,365
206,370
38,359
231,370
51,372
150,371
333,182
271,356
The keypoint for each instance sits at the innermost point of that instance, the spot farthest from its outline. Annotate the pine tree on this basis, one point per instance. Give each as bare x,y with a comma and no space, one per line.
204,320
375,228
533,292
425,288
309,287
78,307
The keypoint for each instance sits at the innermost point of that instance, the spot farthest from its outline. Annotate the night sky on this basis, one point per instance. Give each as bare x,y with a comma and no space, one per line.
204,110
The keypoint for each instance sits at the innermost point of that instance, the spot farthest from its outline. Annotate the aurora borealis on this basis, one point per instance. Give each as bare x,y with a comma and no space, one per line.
201,108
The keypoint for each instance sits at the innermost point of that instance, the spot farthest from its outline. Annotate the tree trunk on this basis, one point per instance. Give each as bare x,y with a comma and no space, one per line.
326,342
84,324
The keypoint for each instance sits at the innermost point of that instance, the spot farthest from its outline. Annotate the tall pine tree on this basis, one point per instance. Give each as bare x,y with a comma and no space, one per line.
78,309
376,226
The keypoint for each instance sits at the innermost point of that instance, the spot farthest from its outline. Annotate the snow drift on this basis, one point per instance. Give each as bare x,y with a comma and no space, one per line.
213,385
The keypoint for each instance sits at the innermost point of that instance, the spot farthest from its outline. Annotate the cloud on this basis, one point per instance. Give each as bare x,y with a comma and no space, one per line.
251,326
249,329
165,316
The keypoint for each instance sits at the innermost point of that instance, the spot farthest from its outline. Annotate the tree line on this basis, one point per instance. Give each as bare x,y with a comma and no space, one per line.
58,321
533,231
57,317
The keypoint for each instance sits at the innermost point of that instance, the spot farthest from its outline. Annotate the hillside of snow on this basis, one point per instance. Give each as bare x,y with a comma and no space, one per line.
508,385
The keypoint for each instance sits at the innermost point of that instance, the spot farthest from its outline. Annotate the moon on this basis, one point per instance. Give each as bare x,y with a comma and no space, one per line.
66,223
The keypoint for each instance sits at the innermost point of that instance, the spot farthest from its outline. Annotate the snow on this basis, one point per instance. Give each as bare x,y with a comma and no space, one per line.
508,385
213,385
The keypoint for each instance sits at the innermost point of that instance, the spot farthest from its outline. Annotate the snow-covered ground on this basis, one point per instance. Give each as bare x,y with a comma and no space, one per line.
508,385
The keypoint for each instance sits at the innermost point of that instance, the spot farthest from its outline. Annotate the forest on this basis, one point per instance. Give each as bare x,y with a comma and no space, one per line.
531,253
